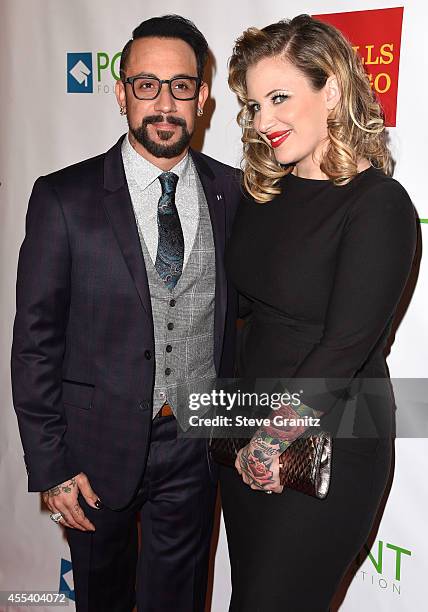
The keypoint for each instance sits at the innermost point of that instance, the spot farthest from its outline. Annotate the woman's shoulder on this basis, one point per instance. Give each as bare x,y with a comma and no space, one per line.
380,193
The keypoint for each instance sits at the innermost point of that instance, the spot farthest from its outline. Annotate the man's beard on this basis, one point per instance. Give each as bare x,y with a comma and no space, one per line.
141,135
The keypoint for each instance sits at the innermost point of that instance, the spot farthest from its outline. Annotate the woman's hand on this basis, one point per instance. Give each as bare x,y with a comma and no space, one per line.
258,464
258,461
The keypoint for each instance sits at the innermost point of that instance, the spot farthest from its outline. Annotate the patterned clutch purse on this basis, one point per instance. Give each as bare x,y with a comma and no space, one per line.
304,466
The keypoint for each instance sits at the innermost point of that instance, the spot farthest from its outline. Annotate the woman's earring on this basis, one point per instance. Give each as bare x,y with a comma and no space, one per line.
123,110
200,112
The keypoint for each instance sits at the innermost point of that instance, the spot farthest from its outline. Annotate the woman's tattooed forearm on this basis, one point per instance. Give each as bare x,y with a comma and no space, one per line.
277,437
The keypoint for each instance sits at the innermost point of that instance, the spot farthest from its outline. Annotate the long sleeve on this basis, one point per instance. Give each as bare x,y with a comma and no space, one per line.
373,265
42,305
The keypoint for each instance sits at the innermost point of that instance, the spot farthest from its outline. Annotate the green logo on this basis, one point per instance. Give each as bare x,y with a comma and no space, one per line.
104,62
93,72
388,561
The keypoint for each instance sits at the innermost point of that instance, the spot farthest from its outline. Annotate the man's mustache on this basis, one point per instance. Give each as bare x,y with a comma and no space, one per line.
161,119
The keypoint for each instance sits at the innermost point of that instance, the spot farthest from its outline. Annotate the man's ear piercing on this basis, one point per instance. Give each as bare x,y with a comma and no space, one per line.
200,112
123,110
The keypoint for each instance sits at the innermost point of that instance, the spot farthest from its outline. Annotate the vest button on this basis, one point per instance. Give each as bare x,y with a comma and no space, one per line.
167,371
147,354
170,326
168,348
172,302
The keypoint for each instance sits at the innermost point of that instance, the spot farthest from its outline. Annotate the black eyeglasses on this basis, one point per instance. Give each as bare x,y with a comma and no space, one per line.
148,88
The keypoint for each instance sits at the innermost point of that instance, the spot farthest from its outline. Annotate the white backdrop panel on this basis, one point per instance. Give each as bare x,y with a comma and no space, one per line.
44,128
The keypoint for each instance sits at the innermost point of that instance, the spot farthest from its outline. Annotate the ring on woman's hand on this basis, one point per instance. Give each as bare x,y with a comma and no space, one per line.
269,491
56,517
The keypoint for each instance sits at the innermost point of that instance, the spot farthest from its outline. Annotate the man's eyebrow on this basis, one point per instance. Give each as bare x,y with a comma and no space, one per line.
182,76
150,75
146,74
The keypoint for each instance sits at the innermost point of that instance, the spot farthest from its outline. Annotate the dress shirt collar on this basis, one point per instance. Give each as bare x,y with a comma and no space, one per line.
144,172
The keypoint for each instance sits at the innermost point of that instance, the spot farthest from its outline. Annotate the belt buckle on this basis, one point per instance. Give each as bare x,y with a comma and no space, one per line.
166,410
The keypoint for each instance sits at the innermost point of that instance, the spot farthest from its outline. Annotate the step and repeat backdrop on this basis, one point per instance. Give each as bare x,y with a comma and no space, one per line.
59,61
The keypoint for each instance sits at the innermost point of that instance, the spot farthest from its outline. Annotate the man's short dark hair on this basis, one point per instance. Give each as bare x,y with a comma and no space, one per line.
169,26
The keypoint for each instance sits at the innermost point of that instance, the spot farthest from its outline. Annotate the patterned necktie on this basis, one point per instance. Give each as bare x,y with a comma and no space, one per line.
170,253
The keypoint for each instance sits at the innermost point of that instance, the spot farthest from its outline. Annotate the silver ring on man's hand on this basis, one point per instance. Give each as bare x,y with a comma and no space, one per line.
56,517
269,492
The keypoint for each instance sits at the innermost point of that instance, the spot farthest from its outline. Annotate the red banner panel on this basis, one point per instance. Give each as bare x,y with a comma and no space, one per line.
376,36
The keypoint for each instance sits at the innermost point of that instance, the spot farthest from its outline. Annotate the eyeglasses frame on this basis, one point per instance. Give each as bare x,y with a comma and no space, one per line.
130,80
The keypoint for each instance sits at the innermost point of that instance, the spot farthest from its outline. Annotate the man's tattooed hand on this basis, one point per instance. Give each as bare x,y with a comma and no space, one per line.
63,498
65,487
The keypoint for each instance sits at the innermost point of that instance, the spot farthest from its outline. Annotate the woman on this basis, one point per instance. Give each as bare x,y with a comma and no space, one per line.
322,248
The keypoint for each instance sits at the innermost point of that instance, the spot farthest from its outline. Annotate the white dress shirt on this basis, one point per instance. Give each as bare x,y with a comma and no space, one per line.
145,190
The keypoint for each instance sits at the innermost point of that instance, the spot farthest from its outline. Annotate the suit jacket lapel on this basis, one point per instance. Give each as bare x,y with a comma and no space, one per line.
217,210
118,206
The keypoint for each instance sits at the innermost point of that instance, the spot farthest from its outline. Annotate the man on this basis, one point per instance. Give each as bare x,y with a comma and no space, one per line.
122,307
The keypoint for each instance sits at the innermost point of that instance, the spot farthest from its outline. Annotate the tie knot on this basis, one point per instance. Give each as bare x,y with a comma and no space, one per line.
168,181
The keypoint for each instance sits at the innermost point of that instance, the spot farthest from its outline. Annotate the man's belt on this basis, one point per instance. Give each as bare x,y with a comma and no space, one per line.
166,410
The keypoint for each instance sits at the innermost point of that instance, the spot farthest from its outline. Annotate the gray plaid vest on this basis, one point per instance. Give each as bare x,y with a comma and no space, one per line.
183,321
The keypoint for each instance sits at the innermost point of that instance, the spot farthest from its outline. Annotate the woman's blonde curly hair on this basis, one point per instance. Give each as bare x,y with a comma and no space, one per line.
355,126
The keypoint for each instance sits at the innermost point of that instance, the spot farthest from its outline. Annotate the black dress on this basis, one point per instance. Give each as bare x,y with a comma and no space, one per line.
322,268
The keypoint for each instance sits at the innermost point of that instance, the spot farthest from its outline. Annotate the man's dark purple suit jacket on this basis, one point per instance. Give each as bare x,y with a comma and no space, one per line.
83,347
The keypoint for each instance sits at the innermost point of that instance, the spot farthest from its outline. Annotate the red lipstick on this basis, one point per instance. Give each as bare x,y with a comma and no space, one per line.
280,136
